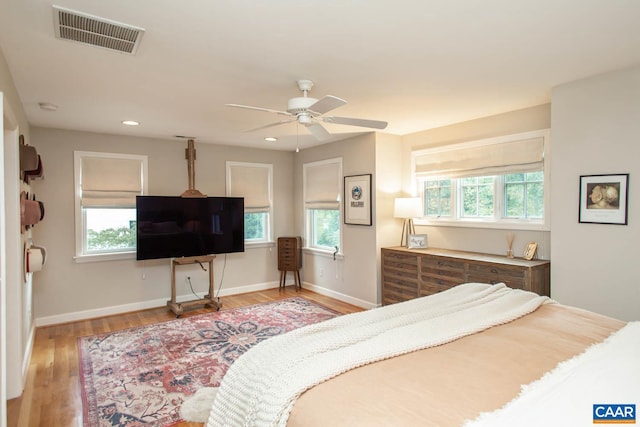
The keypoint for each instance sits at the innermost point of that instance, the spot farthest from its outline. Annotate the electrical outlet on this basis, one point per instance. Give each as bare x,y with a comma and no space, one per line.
321,272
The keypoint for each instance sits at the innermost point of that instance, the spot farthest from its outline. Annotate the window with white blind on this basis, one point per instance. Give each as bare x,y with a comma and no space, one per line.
253,181
106,187
497,182
322,186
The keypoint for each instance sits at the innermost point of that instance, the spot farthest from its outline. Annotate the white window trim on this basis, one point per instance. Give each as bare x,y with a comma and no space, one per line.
502,223
79,219
307,214
269,241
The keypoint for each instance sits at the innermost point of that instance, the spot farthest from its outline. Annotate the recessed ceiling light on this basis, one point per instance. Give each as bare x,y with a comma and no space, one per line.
47,106
130,123
271,138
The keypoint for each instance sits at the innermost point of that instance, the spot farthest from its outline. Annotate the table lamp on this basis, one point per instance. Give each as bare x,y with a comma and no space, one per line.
407,208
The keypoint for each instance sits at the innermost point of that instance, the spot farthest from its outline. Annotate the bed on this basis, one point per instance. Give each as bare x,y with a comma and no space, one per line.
475,355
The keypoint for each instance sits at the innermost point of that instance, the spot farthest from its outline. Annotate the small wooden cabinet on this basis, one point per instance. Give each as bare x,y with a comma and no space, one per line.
290,258
412,273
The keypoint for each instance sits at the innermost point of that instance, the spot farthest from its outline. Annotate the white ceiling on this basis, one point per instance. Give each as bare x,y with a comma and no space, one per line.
416,64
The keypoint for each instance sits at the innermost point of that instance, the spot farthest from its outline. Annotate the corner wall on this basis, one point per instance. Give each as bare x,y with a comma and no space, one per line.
596,130
352,277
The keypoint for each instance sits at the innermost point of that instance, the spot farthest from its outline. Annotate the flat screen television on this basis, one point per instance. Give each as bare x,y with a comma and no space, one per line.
171,227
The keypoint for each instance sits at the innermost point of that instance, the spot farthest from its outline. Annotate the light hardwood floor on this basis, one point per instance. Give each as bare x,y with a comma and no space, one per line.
52,392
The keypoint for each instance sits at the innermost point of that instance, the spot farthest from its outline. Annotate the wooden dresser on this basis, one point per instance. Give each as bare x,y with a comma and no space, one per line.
412,273
290,258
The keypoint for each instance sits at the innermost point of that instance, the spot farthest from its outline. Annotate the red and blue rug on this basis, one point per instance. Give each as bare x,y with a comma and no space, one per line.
141,376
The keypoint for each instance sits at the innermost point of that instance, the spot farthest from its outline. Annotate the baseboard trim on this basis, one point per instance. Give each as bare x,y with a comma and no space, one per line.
145,305
142,305
339,296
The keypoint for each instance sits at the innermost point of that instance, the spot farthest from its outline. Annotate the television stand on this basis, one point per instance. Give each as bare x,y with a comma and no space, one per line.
208,300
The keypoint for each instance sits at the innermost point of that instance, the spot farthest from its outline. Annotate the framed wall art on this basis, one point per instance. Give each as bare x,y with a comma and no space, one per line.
357,199
603,199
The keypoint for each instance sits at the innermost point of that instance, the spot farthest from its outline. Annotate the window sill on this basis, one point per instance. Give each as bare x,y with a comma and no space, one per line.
322,253
251,245
113,256
501,225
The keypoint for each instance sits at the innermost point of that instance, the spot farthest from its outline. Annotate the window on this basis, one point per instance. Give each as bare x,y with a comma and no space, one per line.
477,197
524,195
106,188
322,189
437,198
253,181
496,181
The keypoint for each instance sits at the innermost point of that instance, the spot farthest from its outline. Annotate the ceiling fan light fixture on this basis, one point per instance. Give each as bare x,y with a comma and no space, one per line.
304,119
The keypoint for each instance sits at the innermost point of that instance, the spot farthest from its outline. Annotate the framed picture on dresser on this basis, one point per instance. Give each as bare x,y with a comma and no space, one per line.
417,241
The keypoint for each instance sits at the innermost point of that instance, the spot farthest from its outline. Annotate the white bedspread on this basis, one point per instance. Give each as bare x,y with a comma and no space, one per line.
261,387
606,373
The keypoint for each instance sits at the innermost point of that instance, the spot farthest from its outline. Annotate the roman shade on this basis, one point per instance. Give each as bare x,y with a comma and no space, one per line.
322,186
110,182
464,160
250,181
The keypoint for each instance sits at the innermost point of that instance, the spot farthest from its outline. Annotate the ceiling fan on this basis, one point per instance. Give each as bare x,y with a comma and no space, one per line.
310,112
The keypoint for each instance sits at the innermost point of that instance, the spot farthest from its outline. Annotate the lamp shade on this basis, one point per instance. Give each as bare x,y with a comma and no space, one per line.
408,207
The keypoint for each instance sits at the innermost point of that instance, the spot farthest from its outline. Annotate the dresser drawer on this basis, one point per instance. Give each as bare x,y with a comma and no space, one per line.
483,273
400,260
442,268
287,243
398,290
436,262
430,288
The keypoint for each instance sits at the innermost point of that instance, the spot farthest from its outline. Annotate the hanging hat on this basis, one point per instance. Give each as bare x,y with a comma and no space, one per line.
31,211
36,257
36,173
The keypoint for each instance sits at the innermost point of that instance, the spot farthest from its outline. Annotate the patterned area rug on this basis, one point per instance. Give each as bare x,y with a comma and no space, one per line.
141,376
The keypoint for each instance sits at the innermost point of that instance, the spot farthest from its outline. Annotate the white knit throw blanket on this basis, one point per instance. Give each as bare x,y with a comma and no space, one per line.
260,388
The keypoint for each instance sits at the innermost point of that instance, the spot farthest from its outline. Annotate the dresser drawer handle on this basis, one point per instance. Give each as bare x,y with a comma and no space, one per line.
493,270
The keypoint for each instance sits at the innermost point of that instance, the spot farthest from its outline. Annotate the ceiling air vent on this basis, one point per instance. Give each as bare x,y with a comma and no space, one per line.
83,28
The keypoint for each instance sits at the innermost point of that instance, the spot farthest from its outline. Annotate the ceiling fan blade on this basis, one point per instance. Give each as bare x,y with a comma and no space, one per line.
319,132
326,104
268,110
376,124
282,122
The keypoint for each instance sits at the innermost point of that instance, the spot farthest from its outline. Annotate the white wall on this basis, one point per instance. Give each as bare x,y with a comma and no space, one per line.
596,130
353,276
66,290
484,240
16,325
389,167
